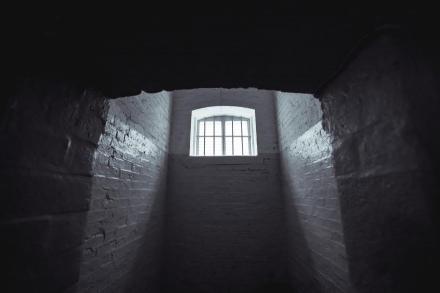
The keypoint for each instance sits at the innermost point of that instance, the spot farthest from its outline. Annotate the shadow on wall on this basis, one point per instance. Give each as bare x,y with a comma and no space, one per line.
49,132
378,110
317,256
301,266
123,239
225,228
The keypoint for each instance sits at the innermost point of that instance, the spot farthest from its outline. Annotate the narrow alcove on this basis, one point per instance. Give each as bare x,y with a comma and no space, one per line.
100,193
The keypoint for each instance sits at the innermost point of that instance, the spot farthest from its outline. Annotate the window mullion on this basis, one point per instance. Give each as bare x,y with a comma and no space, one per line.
213,136
196,139
250,137
232,133
242,144
223,136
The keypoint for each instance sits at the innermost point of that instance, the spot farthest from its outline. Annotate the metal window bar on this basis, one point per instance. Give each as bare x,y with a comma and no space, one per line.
241,131
232,133
223,135
213,136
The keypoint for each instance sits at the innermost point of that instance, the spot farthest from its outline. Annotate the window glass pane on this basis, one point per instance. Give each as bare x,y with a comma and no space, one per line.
201,146
237,127
209,127
218,126
245,127
218,151
219,133
201,128
209,146
237,146
228,126
228,146
246,150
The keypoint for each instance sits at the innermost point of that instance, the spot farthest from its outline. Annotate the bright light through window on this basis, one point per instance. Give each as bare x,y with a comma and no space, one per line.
223,136
223,131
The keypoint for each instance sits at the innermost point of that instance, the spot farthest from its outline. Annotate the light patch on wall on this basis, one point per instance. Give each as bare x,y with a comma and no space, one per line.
313,145
129,141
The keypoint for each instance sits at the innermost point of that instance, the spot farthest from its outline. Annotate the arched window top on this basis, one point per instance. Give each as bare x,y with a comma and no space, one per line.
223,111
223,131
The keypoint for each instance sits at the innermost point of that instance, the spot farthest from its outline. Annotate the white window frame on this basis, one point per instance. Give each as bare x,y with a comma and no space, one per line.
234,111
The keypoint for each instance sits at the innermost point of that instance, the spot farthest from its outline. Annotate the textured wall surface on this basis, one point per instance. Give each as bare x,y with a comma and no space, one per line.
83,185
225,227
317,258
123,235
49,133
381,113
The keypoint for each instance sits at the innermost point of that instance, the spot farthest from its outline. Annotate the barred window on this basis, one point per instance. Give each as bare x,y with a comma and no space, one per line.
223,131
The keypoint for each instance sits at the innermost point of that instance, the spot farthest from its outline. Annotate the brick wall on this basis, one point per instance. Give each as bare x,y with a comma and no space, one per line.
382,112
83,186
49,133
123,235
317,257
225,227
